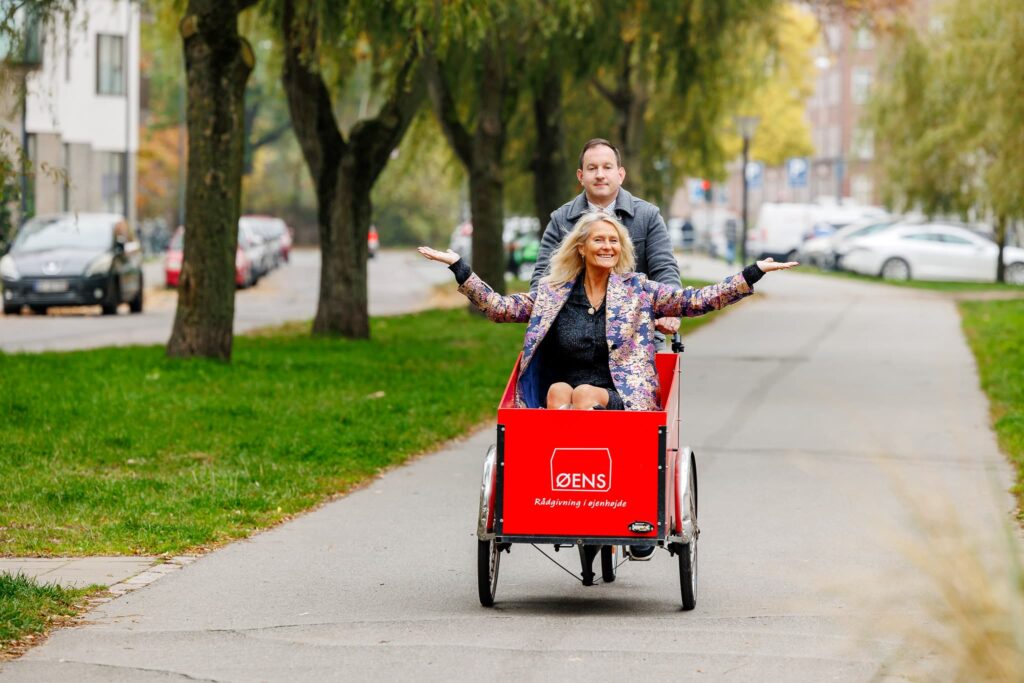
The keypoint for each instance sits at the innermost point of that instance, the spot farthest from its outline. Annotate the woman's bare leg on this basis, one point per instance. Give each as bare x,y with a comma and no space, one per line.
585,397
559,396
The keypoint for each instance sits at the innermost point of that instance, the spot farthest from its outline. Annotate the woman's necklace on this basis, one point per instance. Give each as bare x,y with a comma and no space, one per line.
593,307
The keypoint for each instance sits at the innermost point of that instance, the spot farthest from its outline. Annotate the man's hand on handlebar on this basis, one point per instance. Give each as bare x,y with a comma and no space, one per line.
667,326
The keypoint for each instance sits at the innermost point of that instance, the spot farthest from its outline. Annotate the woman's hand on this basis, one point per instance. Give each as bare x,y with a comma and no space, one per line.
769,264
446,257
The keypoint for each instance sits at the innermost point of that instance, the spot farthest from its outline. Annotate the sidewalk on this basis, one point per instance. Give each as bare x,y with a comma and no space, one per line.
77,572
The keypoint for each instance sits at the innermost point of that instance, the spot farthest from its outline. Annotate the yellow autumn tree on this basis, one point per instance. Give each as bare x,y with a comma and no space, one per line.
775,74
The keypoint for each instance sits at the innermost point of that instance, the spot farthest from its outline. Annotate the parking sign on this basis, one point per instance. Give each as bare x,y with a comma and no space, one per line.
796,171
755,174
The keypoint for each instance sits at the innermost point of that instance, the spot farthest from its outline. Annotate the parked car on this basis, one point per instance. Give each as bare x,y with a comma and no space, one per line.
931,251
71,259
781,228
263,253
825,251
372,241
276,237
173,257
246,253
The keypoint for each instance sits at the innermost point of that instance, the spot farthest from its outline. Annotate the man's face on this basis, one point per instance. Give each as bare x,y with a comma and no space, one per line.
601,175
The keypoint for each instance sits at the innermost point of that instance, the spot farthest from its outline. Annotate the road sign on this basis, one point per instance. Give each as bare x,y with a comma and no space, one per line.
755,174
796,171
696,190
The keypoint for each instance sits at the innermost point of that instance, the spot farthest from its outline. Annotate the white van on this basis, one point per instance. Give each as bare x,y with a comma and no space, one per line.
781,229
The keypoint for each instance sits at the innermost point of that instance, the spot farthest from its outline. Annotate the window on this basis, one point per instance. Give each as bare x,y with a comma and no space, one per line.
834,86
953,239
864,144
861,85
29,187
112,181
22,40
923,237
865,41
834,36
65,181
862,187
110,65
834,142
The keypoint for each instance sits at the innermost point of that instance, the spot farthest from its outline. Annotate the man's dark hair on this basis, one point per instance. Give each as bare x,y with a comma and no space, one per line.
598,142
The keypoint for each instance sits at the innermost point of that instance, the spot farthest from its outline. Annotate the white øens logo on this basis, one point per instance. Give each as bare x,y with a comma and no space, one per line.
581,469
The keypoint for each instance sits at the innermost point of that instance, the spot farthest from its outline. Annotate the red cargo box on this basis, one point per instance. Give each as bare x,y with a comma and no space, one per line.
587,475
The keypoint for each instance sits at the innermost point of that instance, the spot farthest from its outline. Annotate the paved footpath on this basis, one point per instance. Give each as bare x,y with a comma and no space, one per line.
77,571
828,417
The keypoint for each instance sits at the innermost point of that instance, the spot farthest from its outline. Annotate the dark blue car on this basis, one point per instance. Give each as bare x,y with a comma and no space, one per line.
83,259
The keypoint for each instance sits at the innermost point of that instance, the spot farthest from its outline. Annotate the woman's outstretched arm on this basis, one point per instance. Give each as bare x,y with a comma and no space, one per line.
514,308
691,302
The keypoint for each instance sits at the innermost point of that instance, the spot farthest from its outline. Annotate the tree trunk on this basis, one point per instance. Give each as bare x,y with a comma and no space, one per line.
630,110
1001,228
343,307
343,173
486,176
629,102
486,196
482,154
551,169
217,64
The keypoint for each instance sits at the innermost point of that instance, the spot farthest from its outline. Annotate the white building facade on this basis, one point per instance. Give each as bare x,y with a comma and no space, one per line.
82,111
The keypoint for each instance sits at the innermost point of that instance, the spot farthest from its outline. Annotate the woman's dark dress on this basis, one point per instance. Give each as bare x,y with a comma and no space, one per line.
575,349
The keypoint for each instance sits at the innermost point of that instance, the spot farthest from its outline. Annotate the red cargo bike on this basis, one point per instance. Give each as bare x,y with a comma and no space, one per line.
594,480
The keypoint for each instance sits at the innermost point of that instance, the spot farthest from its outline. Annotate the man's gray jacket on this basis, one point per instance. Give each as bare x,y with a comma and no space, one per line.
646,228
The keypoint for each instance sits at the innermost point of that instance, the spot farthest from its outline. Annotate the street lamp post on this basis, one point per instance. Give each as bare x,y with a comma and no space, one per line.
746,126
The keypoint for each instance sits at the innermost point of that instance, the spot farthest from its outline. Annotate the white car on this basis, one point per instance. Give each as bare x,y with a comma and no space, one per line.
827,251
931,251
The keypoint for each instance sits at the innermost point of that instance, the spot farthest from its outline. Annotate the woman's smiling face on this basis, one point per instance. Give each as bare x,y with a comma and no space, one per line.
602,247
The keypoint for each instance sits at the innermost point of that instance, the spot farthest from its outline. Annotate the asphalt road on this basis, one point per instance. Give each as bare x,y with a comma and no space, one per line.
831,420
289,293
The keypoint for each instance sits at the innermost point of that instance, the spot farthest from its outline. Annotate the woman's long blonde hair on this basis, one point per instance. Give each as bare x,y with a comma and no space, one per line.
567,263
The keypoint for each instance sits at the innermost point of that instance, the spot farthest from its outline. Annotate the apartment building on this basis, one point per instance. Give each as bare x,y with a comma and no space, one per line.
843,165
79,119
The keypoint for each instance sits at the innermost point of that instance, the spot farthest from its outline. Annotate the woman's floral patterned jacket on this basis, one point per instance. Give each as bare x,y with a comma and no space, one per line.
633,303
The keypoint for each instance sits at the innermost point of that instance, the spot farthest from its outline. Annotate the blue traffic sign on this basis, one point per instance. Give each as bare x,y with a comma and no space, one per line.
696,190
755,174
796,171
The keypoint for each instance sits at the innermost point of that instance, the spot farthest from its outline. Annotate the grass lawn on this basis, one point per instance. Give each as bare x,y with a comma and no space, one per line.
995,331
123,451
917,284
27,607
